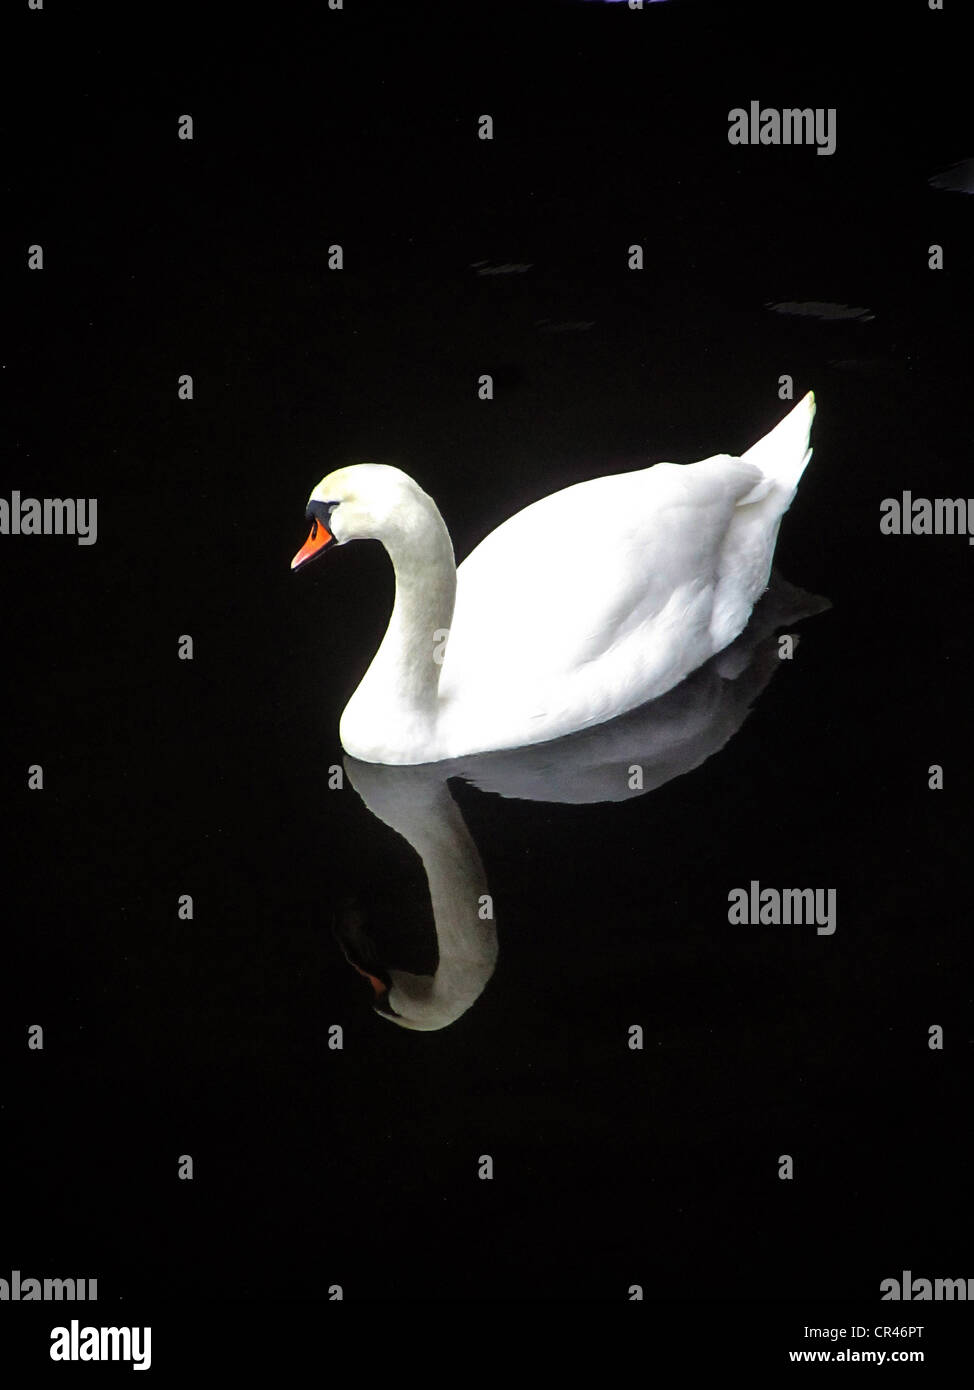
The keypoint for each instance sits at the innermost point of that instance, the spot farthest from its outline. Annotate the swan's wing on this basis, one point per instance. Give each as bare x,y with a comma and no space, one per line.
568,579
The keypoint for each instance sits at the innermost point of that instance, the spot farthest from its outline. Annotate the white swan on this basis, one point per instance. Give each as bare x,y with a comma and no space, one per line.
582,606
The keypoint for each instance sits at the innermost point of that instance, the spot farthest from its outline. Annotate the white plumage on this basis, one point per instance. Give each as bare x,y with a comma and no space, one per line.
584,605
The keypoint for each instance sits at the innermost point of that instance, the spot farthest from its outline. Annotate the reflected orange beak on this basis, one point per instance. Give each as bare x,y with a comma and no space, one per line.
379,988
319,539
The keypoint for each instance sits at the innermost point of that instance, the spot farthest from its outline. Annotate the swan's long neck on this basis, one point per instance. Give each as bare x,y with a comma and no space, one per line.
402,682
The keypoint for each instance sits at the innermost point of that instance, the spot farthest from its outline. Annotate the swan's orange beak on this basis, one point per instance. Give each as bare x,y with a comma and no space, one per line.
319,540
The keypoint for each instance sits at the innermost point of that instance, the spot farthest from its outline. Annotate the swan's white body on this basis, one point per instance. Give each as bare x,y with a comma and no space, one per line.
582,606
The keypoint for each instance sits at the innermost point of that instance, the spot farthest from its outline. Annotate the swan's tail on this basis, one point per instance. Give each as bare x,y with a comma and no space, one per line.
783,454
748,550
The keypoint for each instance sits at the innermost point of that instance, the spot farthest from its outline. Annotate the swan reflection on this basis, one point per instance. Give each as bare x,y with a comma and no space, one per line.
628,757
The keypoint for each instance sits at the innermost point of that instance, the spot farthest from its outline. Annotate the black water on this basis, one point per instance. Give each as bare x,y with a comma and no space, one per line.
209,1037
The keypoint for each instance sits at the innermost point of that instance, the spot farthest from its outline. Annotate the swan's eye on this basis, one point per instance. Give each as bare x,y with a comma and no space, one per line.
320,511
314,528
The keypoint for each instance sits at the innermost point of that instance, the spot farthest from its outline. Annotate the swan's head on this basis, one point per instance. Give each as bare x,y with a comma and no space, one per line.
367,501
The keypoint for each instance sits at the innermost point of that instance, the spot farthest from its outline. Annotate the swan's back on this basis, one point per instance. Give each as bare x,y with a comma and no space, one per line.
588,598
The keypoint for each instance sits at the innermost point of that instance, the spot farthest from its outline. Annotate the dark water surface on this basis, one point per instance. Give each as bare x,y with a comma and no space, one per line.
163,1037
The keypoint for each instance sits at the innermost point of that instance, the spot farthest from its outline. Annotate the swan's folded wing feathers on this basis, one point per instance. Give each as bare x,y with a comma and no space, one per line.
582,572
